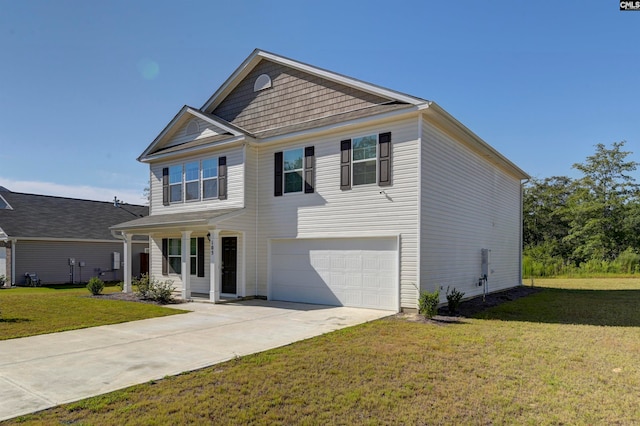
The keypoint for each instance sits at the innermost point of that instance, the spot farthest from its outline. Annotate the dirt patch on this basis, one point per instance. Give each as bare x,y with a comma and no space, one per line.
470,307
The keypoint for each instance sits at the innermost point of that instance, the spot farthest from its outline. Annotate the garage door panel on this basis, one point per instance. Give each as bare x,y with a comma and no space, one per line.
350,272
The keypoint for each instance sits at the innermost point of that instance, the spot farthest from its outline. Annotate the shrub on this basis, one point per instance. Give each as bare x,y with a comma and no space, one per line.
95,286
453,300
142,284
161,291
151,288
3,280
428,303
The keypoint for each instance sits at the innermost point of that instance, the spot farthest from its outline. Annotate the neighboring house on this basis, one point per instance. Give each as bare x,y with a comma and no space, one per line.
300,184
64,240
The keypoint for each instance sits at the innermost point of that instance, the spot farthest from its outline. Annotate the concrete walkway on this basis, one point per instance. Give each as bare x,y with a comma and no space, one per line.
44,371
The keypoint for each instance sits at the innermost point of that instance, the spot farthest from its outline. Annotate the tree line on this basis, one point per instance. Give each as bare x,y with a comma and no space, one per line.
588,225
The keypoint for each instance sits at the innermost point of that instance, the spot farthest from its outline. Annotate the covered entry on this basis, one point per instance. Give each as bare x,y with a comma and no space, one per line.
357,272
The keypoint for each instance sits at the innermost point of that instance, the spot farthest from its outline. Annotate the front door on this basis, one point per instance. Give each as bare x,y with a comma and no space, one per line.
229,264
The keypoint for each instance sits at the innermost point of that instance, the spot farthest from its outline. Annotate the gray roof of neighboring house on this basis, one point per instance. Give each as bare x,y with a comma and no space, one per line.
44,216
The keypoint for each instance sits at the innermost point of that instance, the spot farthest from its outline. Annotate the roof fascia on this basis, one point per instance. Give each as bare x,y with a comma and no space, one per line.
212,120
169,127
258,54
195,149
198,223
450,124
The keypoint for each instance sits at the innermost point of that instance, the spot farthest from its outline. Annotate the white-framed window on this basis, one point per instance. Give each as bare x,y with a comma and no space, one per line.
175,255
209,178
192,181
175,183
195,180
364,159
293,168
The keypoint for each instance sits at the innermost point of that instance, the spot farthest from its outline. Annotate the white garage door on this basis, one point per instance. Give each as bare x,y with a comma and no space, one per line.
344,272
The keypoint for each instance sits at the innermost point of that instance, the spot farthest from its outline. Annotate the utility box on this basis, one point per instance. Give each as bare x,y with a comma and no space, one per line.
116,260
486,261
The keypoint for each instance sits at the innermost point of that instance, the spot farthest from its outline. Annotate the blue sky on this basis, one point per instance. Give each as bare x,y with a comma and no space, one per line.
86,86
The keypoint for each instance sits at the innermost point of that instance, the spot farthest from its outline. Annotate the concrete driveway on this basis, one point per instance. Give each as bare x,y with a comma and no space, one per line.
44,371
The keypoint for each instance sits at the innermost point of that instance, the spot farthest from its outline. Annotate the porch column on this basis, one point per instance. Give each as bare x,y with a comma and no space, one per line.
186,267
215,266
127,256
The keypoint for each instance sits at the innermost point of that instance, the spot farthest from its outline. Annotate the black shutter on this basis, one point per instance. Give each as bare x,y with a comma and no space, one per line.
309,167
345,164
278,174
165,253
165,186
222,178
384,142
200,256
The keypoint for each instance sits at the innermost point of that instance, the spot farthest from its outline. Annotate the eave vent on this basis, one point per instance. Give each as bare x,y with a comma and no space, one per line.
262,82
193,127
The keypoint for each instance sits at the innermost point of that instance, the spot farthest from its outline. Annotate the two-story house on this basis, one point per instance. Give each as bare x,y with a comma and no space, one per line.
300,184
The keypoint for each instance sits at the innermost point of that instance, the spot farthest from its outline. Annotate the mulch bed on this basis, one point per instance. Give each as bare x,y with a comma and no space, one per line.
131,297
470,307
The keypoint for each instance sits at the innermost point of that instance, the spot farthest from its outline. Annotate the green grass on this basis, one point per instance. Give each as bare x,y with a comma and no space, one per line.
31,311
566,355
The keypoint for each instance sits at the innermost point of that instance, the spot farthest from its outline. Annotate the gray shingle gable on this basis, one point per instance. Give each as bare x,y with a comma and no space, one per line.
43,216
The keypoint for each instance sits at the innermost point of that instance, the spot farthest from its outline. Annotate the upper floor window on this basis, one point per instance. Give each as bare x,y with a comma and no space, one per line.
210,178
197,180
175,183
294,171
365,160
192,181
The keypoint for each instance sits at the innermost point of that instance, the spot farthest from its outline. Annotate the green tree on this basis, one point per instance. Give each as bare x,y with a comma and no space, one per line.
546,217
599,205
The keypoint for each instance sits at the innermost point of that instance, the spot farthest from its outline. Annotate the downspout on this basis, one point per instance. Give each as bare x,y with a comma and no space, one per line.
419,210
255,261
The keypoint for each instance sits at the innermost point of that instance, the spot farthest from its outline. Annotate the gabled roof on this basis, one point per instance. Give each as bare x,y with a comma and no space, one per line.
257,55
47,217
185,113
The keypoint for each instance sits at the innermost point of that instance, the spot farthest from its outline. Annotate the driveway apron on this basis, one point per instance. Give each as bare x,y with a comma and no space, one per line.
40,372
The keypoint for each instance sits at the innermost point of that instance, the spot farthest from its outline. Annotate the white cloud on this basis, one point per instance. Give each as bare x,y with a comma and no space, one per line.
83,192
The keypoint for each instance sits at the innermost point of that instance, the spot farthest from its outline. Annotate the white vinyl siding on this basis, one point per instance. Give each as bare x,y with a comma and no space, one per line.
361,212
467,204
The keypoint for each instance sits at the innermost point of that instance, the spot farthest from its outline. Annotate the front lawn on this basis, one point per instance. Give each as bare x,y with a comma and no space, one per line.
561,356
30,311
